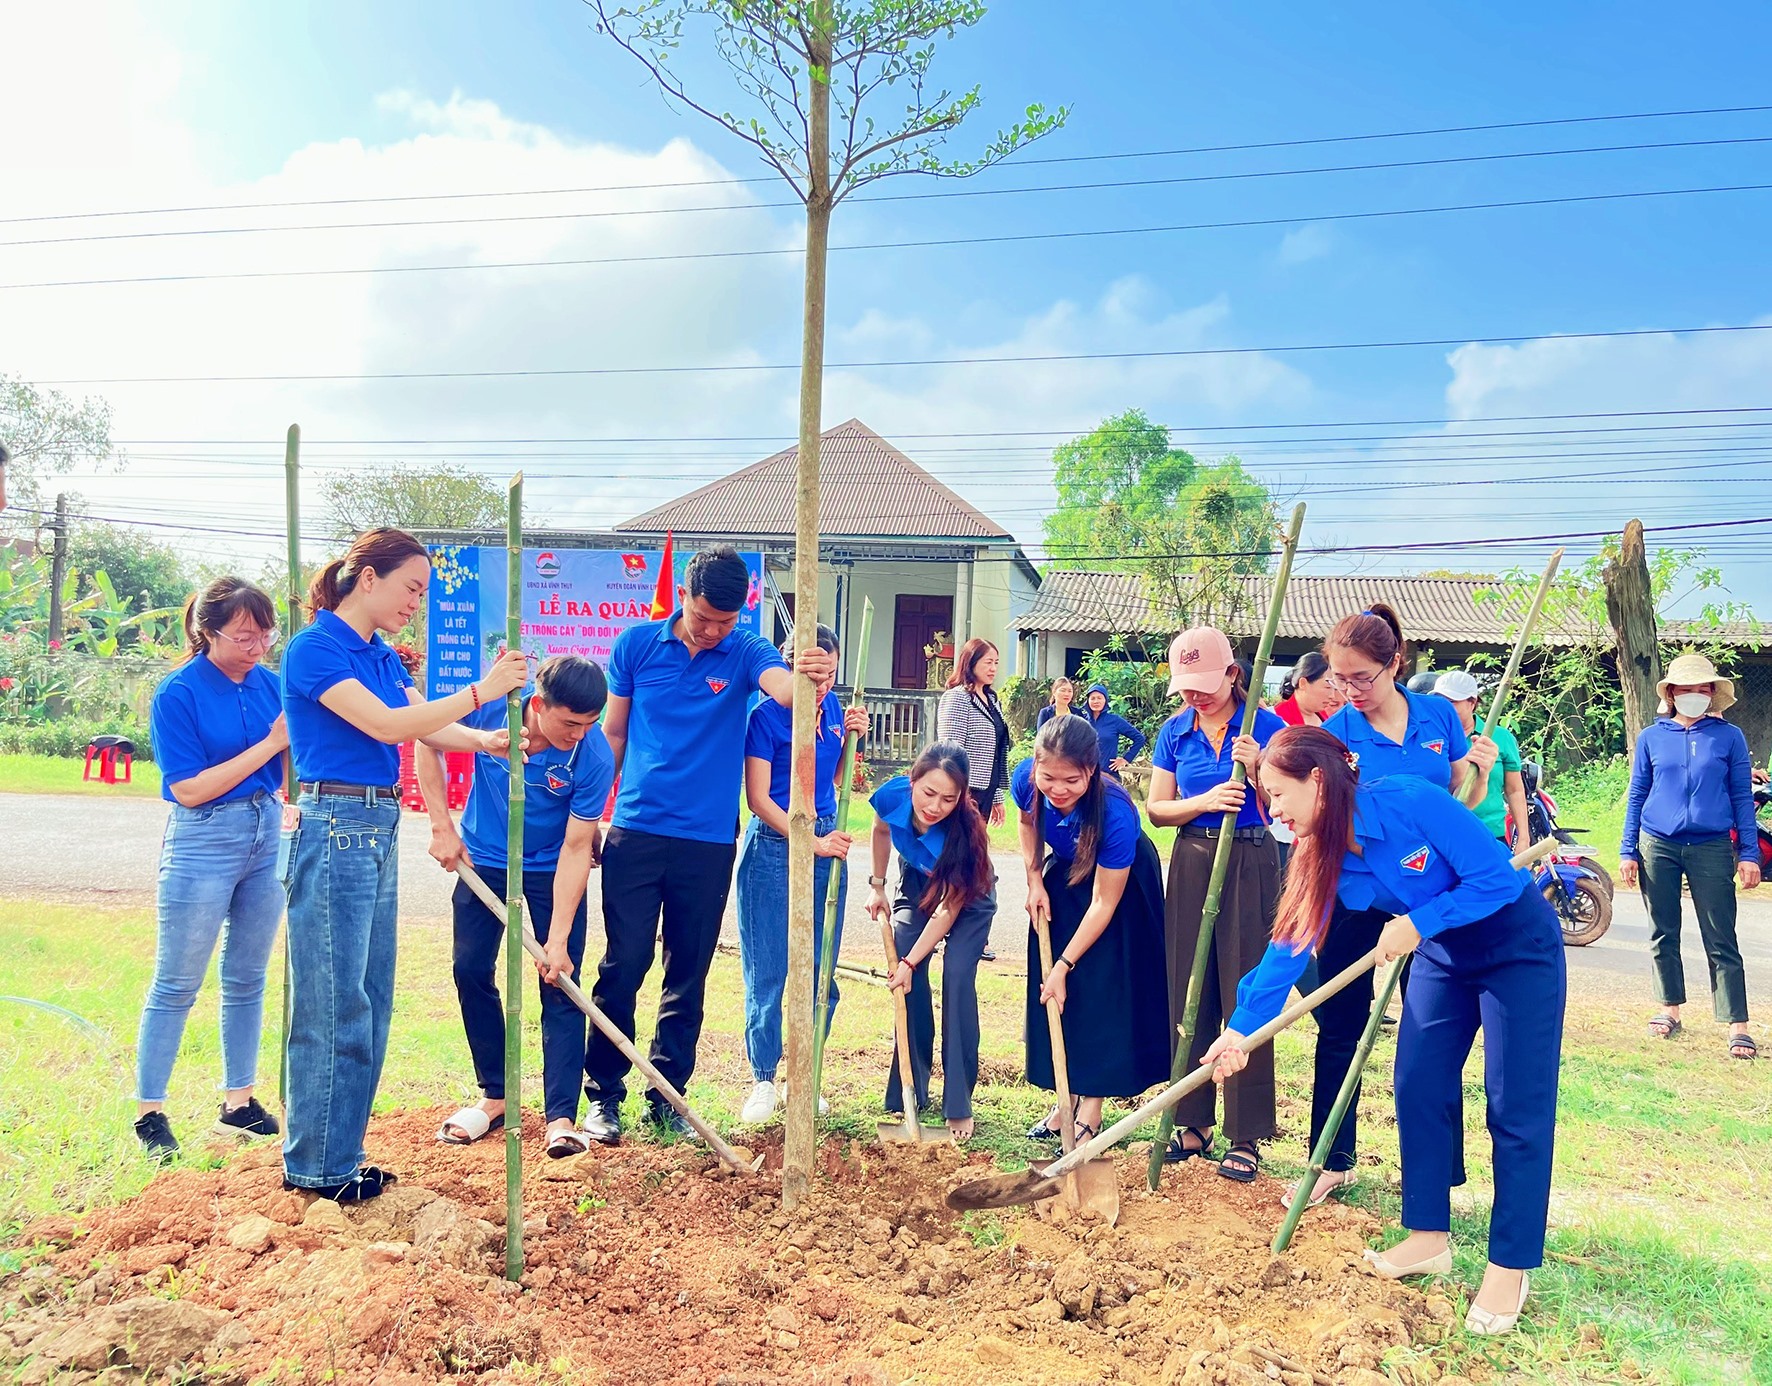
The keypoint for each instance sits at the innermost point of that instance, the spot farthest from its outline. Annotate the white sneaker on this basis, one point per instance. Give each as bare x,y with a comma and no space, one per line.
760,1105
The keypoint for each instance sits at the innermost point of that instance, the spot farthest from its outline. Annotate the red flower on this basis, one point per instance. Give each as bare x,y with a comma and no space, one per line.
55,644
6,685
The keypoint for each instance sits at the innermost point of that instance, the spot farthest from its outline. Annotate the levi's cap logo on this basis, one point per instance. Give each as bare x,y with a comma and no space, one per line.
1416,861
718,685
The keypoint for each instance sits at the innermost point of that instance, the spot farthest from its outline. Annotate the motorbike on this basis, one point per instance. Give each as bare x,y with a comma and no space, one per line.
1578,887
1763,798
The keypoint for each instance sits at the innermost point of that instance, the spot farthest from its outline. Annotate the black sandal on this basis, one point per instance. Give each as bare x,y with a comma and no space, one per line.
1242,1162
366,1183
1743,1047
1663,1027
1084,1134
1042,1130
1179,1151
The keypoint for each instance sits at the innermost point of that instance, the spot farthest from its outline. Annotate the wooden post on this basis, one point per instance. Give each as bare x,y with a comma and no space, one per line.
802,1098
1630,607
1221,857
514,965
291,791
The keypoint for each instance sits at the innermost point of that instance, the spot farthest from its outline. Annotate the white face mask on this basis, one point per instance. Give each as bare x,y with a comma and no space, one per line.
1692,704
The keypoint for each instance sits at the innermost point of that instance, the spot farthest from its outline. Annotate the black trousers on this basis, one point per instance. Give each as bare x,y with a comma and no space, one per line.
1340,1021
644,875
479,939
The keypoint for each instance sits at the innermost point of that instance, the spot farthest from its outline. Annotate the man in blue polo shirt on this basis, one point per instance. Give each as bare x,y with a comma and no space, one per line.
679,695
567,771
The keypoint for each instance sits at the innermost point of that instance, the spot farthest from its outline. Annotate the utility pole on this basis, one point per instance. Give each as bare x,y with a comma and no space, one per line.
58,569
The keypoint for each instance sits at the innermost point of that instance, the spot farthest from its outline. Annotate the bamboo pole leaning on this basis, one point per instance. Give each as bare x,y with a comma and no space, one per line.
1221,858
291,789
514,967
1388,982
828,934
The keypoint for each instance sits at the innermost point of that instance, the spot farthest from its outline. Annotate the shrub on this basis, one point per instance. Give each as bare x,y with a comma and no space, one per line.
70,736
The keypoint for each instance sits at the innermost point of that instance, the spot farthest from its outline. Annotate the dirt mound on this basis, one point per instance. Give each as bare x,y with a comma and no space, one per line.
648,1266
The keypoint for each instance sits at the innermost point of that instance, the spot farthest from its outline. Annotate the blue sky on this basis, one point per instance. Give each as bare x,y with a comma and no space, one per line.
175,104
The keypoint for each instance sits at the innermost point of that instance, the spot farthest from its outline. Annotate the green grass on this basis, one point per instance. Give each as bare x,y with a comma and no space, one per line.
1660,1252
61,775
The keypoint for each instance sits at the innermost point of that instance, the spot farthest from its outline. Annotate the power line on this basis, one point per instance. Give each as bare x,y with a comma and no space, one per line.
1020,162
751,368
310,441
938,196
935,243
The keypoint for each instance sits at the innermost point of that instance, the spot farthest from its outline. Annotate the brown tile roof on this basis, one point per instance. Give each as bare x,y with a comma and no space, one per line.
1074,602
867,489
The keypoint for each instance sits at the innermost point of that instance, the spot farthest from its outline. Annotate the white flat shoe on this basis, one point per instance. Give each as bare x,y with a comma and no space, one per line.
760,1105
1487,1325
1390,1270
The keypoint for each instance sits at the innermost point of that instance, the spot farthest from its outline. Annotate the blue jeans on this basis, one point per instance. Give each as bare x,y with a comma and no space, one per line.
218,879
763,936
343,897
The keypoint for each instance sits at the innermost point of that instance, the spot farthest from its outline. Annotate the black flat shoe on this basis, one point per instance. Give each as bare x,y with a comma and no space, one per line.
602,1121
367,1183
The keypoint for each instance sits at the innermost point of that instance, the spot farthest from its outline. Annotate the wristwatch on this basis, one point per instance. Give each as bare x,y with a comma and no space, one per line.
877,880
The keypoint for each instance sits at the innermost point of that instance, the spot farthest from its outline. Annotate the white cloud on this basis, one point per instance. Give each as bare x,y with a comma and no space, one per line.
116,143
1305,244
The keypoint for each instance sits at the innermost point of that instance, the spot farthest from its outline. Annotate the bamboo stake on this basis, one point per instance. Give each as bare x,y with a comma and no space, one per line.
291,790
1221,858
821,1016
514,968
796,1174
1388,983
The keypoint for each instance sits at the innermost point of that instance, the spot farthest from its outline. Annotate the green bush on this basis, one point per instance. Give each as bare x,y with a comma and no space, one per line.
69,736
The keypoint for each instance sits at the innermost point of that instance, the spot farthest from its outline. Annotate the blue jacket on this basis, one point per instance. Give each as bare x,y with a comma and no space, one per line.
1422,854
1111,729
1691,783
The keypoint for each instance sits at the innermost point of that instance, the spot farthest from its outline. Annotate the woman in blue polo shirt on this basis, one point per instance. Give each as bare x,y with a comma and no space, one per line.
763,868
350,704
218,737
1191,791
1489,956
1390,731
947,893
1101,890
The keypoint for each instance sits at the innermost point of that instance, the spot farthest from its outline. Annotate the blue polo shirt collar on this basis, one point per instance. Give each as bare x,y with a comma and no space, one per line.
1369,825
667,635
341,630
1360,727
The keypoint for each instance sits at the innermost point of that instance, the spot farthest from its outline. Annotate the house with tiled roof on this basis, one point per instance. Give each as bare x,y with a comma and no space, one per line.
932,563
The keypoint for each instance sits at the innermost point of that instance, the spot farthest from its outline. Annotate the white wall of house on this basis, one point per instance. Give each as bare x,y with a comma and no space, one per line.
986,595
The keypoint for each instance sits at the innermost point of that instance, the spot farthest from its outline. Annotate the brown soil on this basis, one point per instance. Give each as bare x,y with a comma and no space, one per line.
648,1266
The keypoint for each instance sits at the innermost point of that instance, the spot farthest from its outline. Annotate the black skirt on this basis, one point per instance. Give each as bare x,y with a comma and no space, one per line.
1116,1010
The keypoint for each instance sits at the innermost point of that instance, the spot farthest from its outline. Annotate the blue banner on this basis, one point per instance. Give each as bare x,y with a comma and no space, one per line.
575,601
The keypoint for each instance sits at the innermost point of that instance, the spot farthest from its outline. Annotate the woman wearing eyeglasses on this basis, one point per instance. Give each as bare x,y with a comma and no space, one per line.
1390,731
218,737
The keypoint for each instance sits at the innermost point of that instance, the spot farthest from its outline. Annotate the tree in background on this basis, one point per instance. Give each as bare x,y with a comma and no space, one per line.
145,574
1130,502
1567,707
444,496
48,435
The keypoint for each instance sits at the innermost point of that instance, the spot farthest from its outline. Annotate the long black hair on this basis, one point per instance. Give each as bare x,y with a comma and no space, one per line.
964,866
1073,740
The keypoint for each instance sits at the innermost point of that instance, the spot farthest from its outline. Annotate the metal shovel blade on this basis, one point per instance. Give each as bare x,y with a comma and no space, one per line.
905,1133
1093,1187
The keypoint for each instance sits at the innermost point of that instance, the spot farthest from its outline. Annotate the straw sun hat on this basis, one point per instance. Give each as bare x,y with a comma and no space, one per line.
1688,669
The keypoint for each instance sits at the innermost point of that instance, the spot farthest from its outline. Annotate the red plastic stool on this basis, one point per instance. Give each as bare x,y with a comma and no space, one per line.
458,771
411,796
107,751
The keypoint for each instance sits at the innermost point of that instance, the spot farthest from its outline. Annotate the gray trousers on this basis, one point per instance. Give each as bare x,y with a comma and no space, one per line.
960,954
1708,867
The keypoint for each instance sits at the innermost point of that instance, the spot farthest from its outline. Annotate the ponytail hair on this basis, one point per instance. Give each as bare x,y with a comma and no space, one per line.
1310,667
1074,741
1375,632
1302,916
964,867
383,550
210,610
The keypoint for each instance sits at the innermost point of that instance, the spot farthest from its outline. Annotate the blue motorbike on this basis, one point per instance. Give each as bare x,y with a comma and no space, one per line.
1578,887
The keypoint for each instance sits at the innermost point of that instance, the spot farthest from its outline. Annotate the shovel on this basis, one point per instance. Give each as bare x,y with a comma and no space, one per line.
1096,1184
613,1034
1033,1183
909,1131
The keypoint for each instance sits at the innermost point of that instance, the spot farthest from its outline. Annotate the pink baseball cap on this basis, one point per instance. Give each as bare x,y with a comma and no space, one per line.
1199,661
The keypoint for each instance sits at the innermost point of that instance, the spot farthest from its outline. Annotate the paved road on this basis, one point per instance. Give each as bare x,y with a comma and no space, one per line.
73,849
